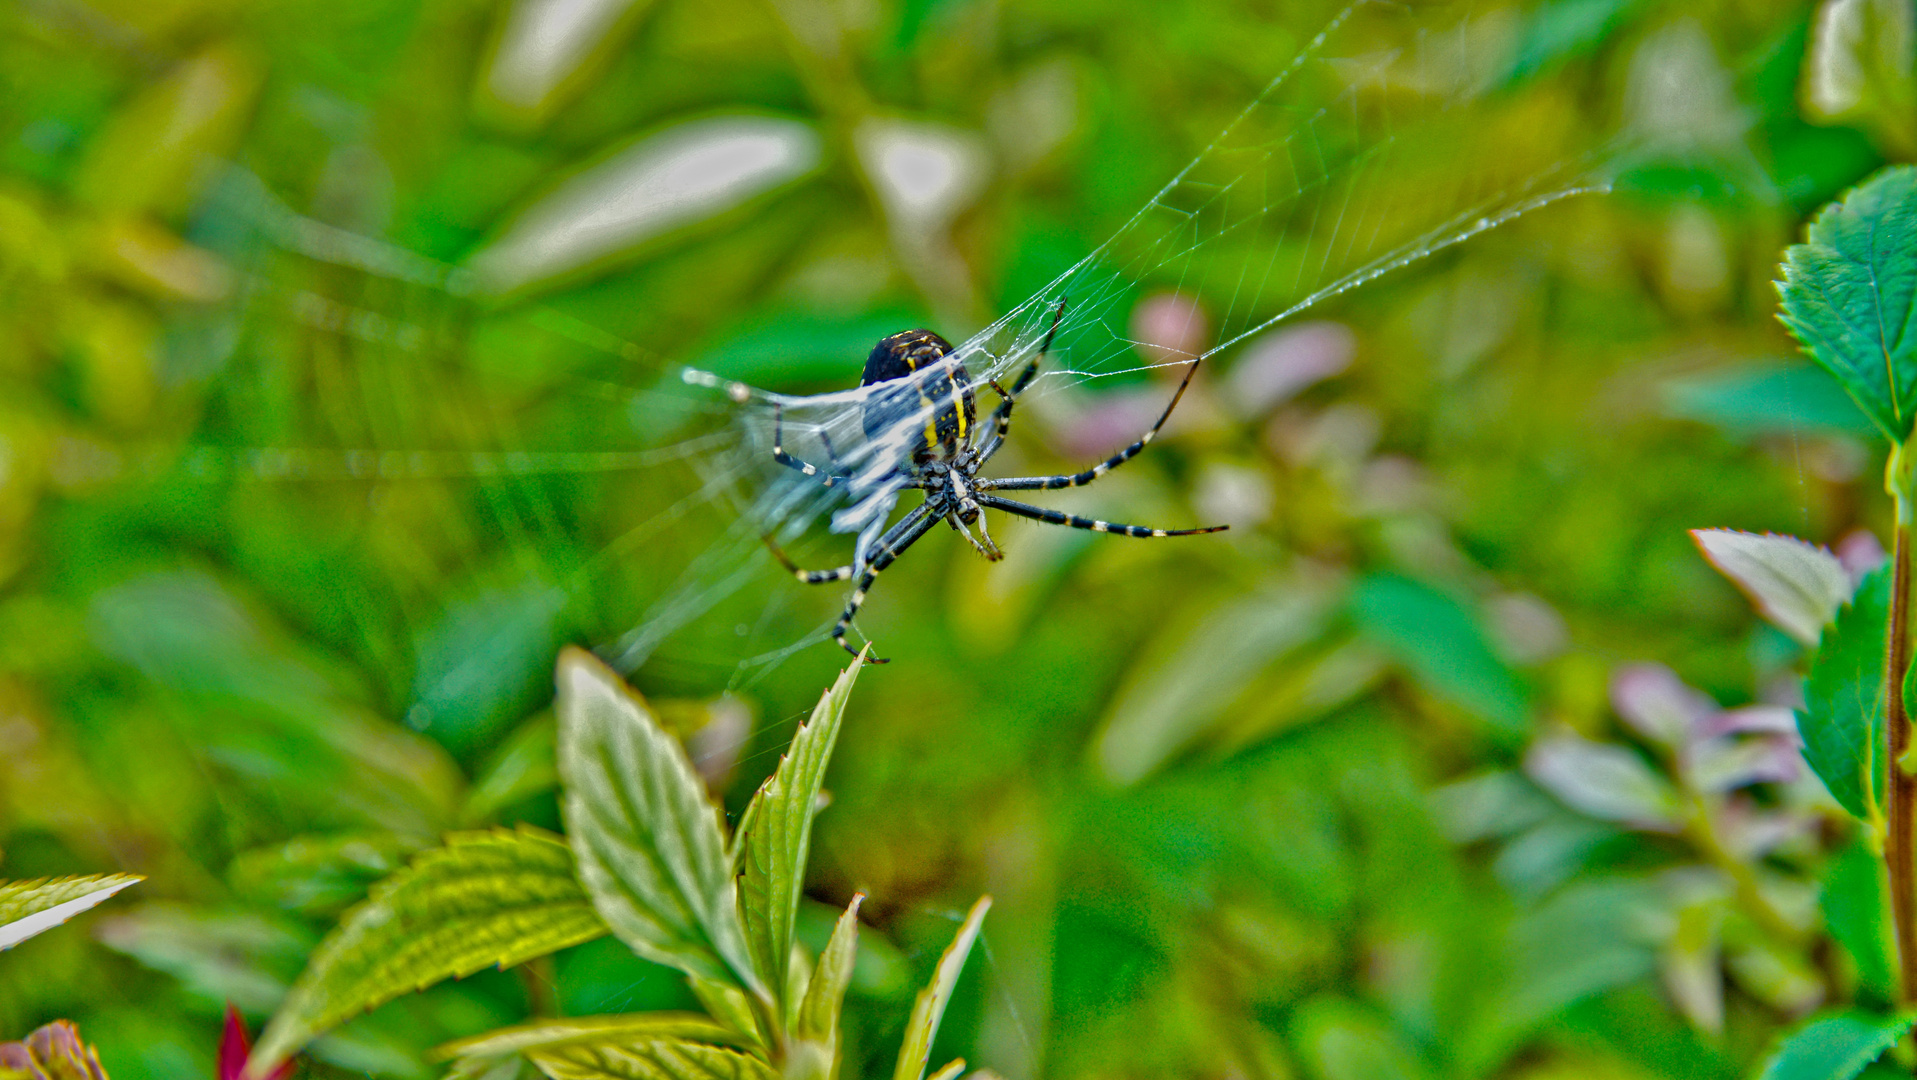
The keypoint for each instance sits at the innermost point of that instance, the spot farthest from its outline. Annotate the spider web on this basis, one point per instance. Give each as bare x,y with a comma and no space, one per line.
1384,140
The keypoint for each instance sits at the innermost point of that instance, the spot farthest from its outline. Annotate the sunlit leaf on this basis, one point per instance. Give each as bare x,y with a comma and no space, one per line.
648,841
778,834
544,1034
1796,585
154,154
1835,1046
1842,721
484,899
1857,68
929,1009
685,174
30,907
658,1060
1848,292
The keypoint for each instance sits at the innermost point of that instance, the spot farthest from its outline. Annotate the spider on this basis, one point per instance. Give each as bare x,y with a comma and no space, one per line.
946,458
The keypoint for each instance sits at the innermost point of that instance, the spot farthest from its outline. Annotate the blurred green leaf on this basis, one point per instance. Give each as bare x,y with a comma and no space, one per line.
929,1009
647,839
32,907
1767,399
777,834
1340,1040
1834,1046
317,874
1842,721
1444,646
1561,29
248,691
525,765
1857,913
1173,699
154,155
662,1059
1849,293
486,898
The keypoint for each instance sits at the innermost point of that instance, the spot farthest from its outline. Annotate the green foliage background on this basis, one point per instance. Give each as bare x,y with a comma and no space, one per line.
1194,775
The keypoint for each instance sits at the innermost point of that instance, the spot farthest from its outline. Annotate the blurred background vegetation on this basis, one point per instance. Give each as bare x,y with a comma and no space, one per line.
1383,783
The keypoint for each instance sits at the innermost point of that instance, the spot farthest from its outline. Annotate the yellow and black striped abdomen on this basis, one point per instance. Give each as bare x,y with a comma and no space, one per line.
933,394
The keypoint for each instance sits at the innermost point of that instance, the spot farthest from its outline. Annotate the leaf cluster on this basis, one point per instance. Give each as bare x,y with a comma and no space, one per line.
646,859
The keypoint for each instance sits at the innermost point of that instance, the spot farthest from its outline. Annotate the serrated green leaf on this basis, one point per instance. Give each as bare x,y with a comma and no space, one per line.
647,839
1835,1046
660,1060
30,907
1849,293
1842,721
815,1031
544,1034
778,834
929,1009
484,899
1857,912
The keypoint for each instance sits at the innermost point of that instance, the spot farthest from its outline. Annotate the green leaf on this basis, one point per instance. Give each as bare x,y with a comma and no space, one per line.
29,907
930,1006
1842,721
1445,648
815,1031
1835,1046
484,899
1857,912
665,1059
647,839
949,1071
1850,295
546,1034
772,866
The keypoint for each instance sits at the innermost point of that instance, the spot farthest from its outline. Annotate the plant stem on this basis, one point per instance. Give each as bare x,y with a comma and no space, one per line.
1901,788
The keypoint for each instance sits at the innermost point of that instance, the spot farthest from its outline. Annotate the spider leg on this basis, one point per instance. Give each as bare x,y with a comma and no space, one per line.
1055,517
1000,422
1047,483
890,546
842,573
779,455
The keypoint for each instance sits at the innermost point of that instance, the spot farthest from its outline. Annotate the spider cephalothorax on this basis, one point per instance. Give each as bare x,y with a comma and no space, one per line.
922,384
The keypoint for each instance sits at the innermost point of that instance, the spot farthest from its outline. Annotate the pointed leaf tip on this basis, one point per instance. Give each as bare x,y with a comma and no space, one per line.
776,833
32,907
929,1009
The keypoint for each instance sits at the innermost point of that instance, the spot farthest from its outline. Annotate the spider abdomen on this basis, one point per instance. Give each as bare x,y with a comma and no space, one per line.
934,394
